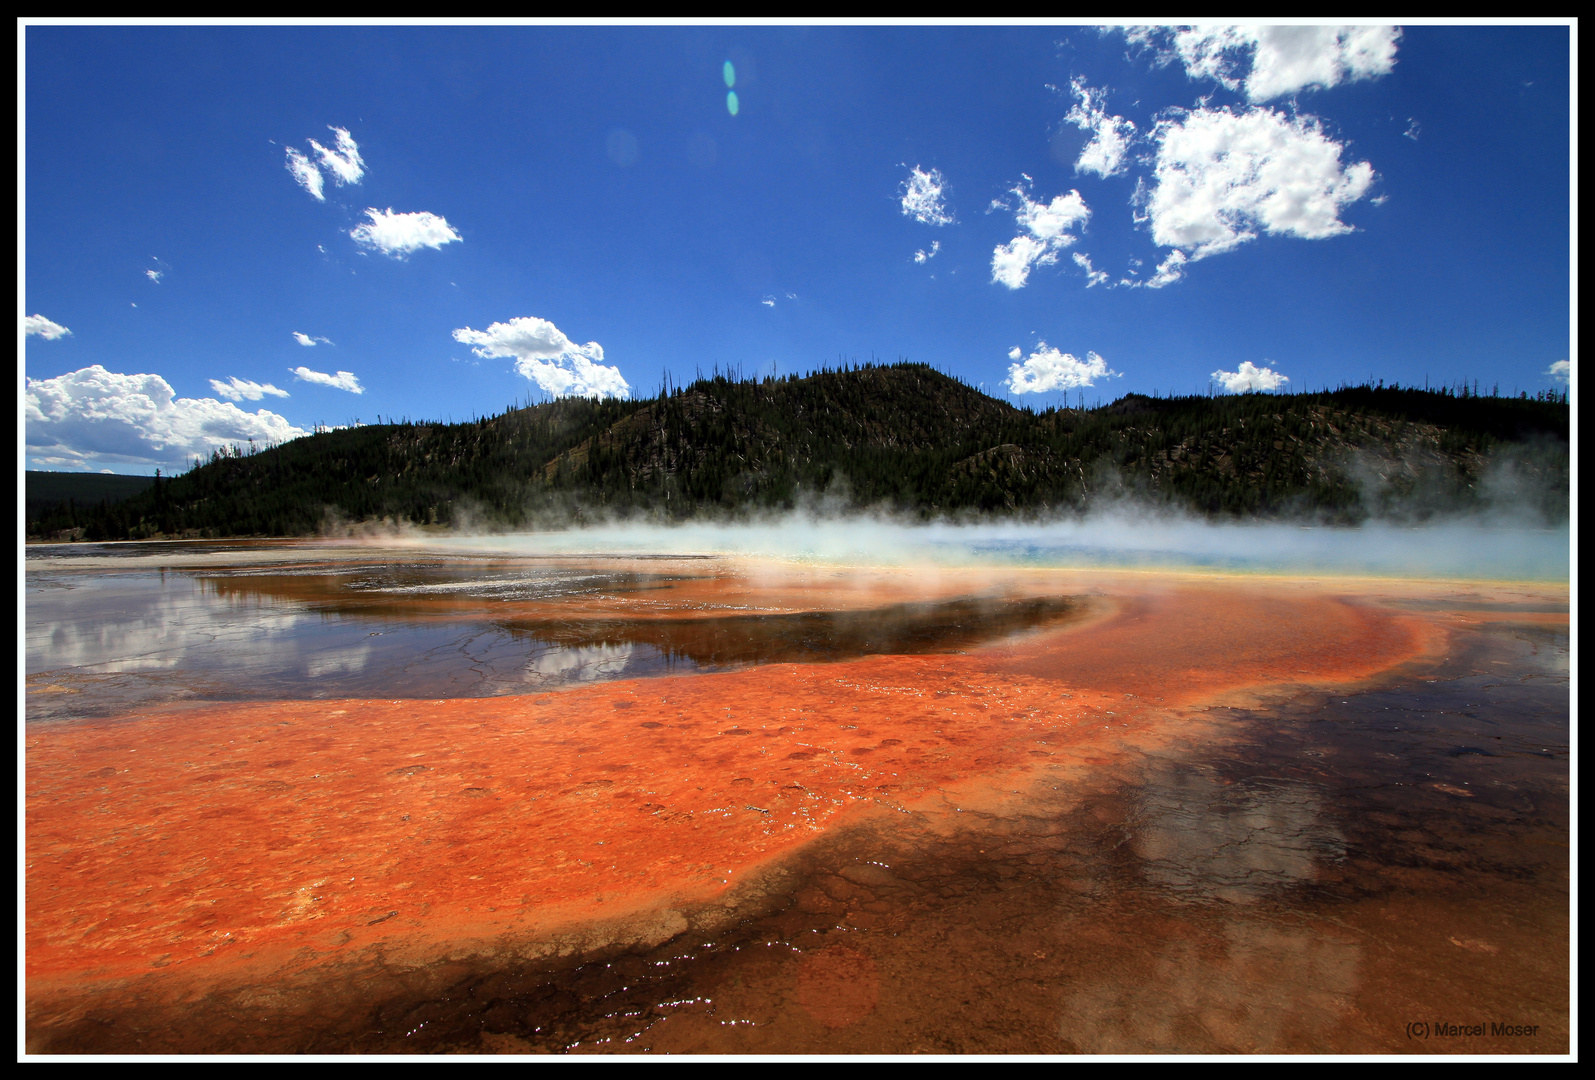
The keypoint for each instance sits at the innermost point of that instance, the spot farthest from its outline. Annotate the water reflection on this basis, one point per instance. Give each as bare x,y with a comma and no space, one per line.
813,636
580,663
1202,836
434,628
1254,987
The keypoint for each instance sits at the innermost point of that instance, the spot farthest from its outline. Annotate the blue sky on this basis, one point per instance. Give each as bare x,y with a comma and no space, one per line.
505,213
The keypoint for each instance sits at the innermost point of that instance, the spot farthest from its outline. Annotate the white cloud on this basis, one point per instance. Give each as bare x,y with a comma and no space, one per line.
1047,231
1221,176
306,339
768,301
396,235
154,275
923,257
1273,61
45,328
304,170
922,197
1110,135
1561,371
1248,377
543,354
236,389
1048,369
1011,262
343,380
1292,58
99,415
1093,276
1414,129
344,162
1168,271
1052,222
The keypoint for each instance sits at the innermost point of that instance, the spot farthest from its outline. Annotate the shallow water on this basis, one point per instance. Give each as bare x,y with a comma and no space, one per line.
102,640
1163,816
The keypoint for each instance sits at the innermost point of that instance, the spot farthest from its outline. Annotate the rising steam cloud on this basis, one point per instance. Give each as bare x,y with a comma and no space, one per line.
1125,536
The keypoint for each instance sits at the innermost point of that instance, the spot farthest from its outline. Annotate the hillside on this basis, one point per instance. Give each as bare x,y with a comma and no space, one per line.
45,490
902,438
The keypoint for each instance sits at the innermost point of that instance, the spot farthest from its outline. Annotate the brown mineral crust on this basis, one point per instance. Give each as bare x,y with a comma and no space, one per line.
213,845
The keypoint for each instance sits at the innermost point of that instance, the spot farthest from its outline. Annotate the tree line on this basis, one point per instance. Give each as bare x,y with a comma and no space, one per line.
902,438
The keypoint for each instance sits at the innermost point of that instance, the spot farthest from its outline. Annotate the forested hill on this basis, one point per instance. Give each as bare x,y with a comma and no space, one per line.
42,488
903,438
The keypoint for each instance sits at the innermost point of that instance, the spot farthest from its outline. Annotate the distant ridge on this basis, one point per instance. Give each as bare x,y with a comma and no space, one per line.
901,438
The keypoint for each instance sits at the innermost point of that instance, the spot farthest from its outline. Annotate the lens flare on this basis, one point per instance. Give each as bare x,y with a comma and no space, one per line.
730,73
731,103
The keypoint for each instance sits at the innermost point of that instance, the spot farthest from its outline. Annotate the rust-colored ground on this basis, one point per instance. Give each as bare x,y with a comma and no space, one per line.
201,847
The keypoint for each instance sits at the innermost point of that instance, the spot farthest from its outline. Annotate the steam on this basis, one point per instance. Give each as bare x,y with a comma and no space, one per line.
1124,537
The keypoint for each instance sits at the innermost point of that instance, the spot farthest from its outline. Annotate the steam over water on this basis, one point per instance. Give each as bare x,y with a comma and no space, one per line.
1494,549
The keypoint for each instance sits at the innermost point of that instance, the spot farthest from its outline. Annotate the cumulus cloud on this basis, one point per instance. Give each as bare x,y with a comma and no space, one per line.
1249,377
305,172
45,328
236,389
1048,369
1561,371
1292,58
1110,135
1093,276
396,235
306,339
1221,176
154,275
1272,61
98,415
922,257
768,301
543,354
922,197
1048,229
343,380
1011,262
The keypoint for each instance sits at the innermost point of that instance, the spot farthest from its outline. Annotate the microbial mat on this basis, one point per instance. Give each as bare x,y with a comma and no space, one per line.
324,797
